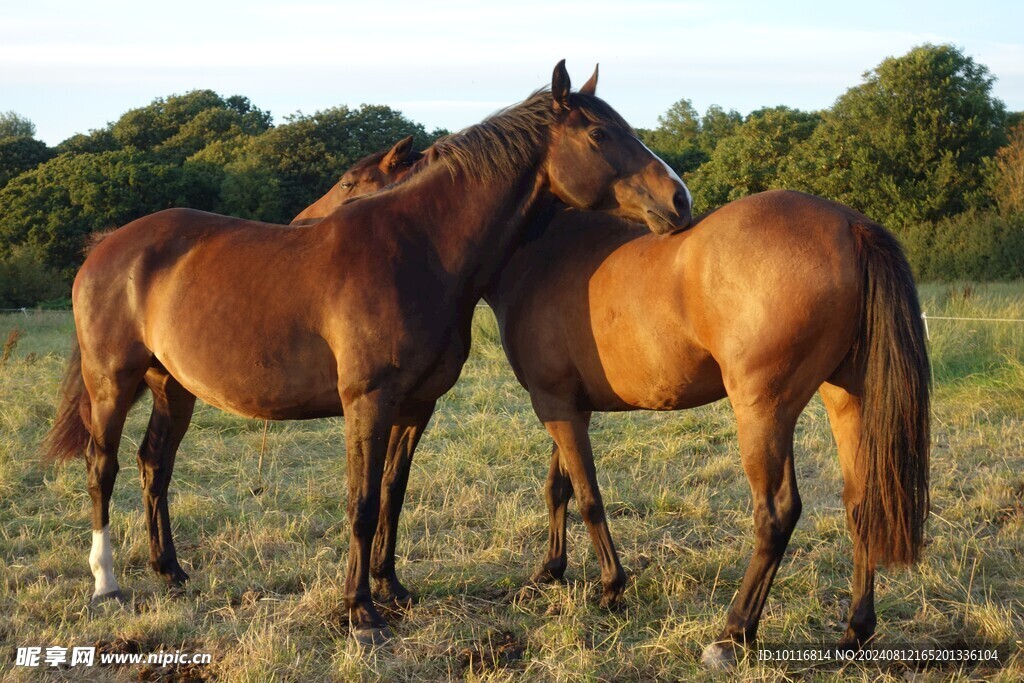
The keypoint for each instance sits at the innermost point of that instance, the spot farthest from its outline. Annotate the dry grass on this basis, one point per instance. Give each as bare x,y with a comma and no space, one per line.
267,571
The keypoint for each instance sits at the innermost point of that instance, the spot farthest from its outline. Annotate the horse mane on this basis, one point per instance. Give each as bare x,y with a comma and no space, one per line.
505,141
511,138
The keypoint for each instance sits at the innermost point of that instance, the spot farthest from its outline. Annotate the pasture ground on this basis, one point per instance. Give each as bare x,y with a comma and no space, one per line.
267,571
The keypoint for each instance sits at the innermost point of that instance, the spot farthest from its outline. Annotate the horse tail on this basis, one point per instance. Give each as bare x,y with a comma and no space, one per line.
69,436
895,429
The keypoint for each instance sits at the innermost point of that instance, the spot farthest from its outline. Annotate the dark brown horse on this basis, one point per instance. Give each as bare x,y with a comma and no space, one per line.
765,301
367,313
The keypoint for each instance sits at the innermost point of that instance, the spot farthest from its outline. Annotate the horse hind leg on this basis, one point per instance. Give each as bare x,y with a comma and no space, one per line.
110,397
844,413
766,450
172,413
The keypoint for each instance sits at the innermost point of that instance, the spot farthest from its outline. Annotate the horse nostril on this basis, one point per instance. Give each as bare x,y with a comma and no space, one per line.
681,202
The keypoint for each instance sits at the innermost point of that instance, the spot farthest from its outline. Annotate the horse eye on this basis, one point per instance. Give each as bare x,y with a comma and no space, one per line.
598,134
347,185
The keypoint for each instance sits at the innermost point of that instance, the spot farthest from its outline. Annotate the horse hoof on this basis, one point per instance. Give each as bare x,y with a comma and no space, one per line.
403,600
369,638
545,574
393,595
115,596
854,644
719,656
610,600
176,580
400,601
612,594
176,590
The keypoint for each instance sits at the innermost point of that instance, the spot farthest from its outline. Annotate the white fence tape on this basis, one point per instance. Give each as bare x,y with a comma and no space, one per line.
925,317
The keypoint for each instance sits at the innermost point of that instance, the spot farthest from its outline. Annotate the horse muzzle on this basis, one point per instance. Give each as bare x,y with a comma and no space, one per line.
662,222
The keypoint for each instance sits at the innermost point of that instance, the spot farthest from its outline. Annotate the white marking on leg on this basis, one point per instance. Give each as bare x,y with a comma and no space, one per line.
101,561
671,172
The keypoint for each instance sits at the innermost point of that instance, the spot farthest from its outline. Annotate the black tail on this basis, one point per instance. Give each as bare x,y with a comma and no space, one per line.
895,439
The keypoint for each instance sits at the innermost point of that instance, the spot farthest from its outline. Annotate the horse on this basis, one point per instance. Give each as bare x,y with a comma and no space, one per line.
765,301
368,314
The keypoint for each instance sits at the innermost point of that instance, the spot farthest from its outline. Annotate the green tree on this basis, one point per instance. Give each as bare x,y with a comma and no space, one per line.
677,137
715,125
24,281
974,245
1005,174
183,124
14,125
51,209
19,154
749,159
95,141
906,145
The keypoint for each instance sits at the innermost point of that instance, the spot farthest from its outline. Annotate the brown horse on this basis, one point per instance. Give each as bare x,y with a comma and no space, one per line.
765,301
367,314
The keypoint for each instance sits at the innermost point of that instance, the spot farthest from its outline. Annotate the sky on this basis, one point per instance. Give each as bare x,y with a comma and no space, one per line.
73,66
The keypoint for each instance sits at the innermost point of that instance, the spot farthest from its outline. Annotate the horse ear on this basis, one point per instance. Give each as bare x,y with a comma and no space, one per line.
560,86
590,87
396,154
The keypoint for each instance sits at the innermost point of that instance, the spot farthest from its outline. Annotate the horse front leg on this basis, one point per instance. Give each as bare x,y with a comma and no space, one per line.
368,421
405,436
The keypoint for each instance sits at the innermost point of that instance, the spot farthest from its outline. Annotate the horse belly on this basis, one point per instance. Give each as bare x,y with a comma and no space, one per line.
254,375
643,351
638,376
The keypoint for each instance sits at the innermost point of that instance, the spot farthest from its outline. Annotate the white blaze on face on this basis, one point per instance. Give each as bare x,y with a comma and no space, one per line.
671,172
101,561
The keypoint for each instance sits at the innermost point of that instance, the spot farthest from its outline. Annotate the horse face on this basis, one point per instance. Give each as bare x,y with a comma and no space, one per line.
595,161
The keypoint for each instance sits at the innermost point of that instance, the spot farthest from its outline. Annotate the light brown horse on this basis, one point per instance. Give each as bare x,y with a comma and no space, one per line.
764,301
367,313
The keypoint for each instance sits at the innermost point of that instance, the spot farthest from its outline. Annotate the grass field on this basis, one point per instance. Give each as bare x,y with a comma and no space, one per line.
267,571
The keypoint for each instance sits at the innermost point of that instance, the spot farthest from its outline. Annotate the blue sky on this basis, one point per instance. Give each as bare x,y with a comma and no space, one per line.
73,66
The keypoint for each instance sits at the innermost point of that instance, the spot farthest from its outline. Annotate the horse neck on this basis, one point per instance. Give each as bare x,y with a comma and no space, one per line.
473,230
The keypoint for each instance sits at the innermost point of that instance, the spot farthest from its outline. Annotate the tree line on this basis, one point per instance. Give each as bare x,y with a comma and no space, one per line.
921,146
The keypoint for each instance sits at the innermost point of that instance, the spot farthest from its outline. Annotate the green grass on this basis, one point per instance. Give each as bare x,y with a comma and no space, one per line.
267,572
